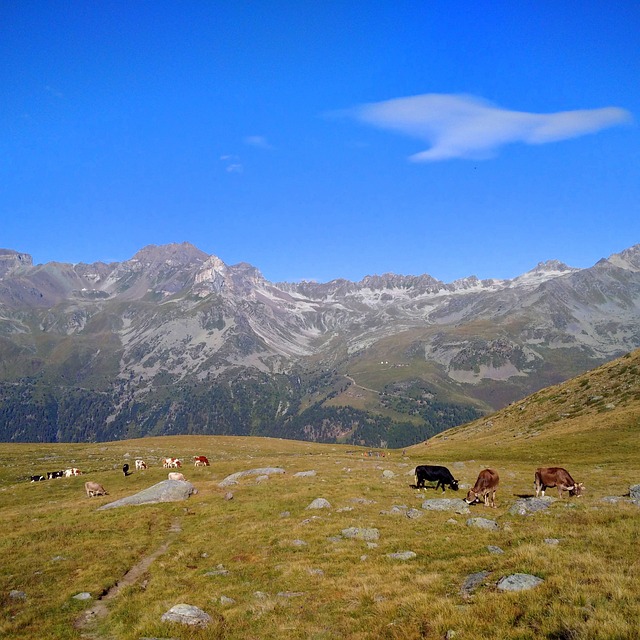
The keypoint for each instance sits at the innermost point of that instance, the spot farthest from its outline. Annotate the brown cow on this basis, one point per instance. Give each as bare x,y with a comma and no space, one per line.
485,487
201,461
556,477
94,489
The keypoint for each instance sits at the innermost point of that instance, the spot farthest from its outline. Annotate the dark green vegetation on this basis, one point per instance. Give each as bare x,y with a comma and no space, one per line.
249,403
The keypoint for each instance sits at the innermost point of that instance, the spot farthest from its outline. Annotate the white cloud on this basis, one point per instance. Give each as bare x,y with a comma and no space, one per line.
257,141
462,126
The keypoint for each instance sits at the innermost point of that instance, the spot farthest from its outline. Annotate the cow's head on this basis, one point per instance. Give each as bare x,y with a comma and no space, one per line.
577,490
472,497
454,485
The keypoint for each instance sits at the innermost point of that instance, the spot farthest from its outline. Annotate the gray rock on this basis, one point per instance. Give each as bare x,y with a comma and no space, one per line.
234,477
226,601
387,473
166,491
315,572
519,582
187,614
85,595
361,533
551,541
527,506
228,495
304,474
473,581
493,549
299,543
446,504
262,478
290,594
634,491
483,523
320,503
17,595
414,513
260,595
402,555
218,571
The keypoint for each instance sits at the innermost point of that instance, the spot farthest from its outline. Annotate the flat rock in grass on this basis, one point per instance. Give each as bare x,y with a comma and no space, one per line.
473,581
527,506
457,505
17,595
634,491
495,550
483,523
304,474
166,491
402,555
359,533
187,614
519,582
414,513
320,503
234,477
85,595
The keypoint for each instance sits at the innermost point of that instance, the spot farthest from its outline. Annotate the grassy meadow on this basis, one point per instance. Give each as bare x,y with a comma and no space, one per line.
264,566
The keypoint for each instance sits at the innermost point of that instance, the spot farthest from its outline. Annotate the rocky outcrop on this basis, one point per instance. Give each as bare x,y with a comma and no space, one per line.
166,491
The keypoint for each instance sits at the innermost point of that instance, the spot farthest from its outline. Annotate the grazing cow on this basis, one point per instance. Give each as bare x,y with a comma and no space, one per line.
54,474
125,469
485,487
174,475
556,477
72,472
140,465
94,489
171,463
37,478
201,461
441,475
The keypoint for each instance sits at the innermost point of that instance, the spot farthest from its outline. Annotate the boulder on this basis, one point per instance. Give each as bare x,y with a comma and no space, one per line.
234,477
519,582
483,523
361,533
187,614
320,503
166,491
634,491
304,474
456,505
527,506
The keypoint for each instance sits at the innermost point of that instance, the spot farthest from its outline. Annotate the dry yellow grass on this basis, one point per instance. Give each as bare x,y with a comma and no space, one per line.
290,572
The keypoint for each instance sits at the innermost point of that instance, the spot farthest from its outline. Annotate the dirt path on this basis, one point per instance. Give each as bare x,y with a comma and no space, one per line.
90,618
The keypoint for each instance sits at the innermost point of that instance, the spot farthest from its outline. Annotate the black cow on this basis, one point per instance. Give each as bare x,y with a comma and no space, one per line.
125,469
37,478
55,474
431,473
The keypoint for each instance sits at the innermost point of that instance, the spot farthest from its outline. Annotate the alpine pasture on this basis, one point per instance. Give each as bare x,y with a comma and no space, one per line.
263,565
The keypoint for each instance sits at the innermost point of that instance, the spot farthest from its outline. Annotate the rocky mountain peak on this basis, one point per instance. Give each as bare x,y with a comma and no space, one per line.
11,260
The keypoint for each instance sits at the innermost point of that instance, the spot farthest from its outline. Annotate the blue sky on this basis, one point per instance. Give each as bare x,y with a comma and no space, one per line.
318,140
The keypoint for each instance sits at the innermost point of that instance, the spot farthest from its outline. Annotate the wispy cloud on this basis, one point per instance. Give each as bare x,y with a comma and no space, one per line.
463,126
232,163
257,141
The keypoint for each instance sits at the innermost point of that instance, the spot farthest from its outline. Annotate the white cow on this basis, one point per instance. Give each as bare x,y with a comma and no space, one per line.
72,472
140,465
176,476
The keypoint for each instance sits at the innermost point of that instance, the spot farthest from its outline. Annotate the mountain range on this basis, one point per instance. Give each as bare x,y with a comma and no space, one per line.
176,341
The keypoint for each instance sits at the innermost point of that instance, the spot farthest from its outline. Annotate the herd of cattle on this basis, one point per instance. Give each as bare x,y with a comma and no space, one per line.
488,479
95,489
484,489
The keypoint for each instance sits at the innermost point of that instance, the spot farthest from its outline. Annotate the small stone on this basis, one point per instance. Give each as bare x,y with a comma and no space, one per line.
316,572
290,594
85,595
17,595
552,541
446,504
299,543
285,514
634,492
414,513
387,473
519,582
493,549
260,595
224,600
228,495
304,474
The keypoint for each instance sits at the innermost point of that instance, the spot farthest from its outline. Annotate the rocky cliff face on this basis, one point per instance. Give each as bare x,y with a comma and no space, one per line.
175,313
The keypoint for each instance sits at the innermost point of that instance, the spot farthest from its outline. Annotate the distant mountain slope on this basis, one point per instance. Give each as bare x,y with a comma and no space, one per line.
138,344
